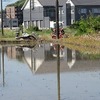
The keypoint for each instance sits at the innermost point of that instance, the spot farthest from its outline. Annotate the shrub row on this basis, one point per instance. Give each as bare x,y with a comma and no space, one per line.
87,26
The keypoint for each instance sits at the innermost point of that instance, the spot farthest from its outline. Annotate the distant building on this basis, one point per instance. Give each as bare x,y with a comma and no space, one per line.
14,16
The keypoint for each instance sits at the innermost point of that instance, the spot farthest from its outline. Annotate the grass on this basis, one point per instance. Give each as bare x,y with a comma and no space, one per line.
85,40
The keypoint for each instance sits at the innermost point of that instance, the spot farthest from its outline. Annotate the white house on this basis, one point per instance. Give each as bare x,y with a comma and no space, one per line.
41,12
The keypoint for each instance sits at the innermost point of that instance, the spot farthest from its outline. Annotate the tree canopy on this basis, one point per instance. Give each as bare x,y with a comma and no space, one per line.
18,3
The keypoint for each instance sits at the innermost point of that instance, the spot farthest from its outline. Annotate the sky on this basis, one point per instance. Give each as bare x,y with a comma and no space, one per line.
6,2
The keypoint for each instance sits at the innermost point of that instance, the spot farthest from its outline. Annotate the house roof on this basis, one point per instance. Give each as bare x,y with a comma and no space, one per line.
86,2
51,2
76,2
62,2
47,2
24,4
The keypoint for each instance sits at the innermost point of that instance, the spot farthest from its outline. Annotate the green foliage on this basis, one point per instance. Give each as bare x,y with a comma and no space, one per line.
8,33
87,26
18,3
33,28
21,28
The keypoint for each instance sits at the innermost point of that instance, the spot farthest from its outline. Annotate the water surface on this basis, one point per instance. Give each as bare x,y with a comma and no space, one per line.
36,73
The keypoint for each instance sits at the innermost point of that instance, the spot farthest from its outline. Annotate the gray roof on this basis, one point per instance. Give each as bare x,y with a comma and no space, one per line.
86,2
76,2
51,2
62,2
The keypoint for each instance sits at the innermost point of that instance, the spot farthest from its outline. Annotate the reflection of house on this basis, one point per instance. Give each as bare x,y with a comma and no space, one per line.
43,57
34,58
38,56
71,57
39,62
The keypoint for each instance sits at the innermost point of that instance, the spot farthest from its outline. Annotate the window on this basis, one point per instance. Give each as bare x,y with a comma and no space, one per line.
96,10
83,10
14,21
49,12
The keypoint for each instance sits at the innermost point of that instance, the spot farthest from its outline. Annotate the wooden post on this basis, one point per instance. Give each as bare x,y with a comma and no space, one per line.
30,13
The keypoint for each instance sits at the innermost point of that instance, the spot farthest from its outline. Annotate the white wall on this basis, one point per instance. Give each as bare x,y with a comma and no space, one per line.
69,1
36,4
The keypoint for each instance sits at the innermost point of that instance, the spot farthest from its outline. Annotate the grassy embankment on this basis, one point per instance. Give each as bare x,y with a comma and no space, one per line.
84,42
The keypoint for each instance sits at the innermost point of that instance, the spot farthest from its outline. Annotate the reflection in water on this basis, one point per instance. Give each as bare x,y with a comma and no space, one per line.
34,57
41,56
0,60
53,49
71,57
58,70
44,61
2,65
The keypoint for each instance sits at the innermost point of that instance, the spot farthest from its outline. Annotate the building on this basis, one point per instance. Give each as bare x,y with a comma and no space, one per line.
41,13
75,9
14,16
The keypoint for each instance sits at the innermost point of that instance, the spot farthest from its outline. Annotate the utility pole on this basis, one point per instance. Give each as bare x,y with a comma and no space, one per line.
2,19
30,13
57,18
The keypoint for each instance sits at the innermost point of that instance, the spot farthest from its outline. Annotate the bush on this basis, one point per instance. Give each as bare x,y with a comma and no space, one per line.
32,28
36,28
87,26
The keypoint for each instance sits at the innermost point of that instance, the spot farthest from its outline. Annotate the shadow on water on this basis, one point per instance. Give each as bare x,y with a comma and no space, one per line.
42,59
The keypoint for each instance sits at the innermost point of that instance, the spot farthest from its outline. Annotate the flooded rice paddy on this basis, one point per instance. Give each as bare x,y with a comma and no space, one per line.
48,72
